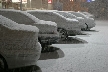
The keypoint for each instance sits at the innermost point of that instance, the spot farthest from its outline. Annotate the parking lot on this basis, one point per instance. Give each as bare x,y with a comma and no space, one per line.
81,53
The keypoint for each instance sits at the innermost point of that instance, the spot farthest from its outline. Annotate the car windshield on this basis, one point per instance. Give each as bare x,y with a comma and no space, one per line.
78,14
86,13
67,15
17,17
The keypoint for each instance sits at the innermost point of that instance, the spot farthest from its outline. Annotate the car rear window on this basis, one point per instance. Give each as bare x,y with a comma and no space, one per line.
17,17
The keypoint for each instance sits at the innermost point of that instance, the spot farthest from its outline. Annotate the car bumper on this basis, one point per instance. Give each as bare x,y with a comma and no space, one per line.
50,41
49,38
23,58
74,32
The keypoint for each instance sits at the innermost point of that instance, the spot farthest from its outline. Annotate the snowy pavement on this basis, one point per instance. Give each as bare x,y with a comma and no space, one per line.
89,54
87,57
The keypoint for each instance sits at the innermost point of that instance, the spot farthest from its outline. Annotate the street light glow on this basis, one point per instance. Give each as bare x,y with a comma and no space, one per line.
93,0
71,0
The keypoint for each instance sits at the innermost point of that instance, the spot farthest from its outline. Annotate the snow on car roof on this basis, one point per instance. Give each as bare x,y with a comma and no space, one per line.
47,22
46,11
72,20
15,26
41,10
66,14
52,11
79,14
82,14
68,19
36,20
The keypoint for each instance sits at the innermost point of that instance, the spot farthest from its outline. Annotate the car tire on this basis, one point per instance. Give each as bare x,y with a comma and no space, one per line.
86,28
63,34
45,47
3,65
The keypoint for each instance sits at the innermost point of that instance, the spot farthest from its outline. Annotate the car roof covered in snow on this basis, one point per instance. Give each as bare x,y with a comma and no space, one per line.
41,10
15,26
36,20
53,12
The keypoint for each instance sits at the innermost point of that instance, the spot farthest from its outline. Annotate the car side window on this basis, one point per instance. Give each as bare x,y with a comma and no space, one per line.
38,15
51,16
58,18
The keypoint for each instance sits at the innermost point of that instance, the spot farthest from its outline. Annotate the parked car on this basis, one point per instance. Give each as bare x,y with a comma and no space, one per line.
47,30
65,26
71,16
89,22
19,44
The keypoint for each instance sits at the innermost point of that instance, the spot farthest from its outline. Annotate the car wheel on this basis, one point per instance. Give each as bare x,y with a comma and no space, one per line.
3,65
63,34
44,46
86,28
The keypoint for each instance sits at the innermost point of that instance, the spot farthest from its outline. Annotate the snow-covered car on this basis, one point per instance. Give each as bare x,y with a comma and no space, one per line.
71,16
65,26
48,33
89,14
89,22
19,44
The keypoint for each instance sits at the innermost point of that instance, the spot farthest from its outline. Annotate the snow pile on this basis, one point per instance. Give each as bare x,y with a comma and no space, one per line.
15,26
